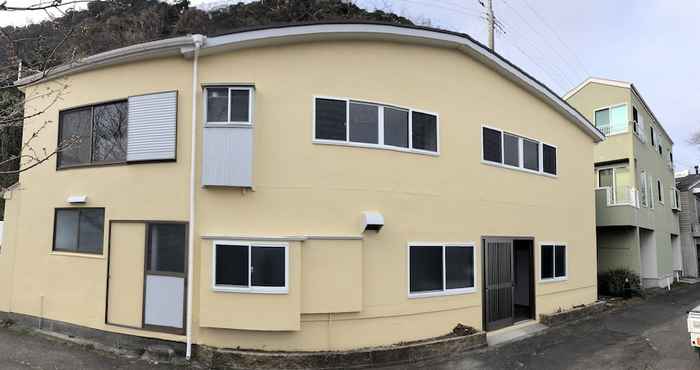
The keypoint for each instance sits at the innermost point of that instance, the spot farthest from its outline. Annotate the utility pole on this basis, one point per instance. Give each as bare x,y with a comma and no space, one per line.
491,22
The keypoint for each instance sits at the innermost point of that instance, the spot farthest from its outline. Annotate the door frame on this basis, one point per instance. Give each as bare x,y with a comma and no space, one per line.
484,301
144,326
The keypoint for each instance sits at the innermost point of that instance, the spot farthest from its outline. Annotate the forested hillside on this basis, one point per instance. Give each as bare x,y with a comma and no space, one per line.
106,25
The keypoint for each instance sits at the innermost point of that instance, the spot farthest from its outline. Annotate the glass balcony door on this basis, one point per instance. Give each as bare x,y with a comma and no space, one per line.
619,181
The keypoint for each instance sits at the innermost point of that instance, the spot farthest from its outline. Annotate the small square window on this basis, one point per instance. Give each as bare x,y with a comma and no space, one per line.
231,265
79,230
553,262
229,104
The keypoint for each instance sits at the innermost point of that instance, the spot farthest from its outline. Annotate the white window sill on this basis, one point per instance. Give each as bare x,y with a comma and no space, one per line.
375,146
229,124
255,290
439,293
509,167
77,254
554,280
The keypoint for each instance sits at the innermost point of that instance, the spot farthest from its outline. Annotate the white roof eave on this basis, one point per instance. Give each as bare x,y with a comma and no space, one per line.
336,31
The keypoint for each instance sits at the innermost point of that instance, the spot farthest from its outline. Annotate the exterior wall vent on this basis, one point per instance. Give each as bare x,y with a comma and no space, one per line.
372,220
77,199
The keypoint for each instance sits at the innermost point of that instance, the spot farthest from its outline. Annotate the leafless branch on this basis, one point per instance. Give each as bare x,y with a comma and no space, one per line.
40,6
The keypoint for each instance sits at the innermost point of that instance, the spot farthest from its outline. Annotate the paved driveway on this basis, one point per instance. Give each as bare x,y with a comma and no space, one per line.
649,335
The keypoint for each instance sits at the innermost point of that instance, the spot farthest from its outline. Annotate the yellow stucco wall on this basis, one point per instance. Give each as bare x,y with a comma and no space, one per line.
303,188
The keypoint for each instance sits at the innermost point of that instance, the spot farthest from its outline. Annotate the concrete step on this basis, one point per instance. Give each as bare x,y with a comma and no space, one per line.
514,333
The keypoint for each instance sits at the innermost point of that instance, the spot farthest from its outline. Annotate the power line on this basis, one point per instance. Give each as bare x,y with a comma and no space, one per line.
527,23
558,82
580,63
557,74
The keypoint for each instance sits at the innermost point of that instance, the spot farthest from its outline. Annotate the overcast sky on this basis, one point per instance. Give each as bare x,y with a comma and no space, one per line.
652,43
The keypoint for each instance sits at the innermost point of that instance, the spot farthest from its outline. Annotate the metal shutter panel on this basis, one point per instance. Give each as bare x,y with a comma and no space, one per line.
152,127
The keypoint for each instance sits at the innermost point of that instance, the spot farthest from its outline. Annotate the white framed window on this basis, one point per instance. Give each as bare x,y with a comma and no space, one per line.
436,269
343,121
514,151
228,105
651,191
553,262
250,267
612,119
644,189
675,199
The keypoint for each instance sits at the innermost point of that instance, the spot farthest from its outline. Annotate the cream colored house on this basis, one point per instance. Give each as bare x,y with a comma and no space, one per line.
637,202
352,185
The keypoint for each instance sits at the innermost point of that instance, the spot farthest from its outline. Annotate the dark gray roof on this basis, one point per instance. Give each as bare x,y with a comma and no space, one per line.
683,183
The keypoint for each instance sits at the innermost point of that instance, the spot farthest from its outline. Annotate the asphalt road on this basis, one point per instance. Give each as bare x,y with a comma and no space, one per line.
648,335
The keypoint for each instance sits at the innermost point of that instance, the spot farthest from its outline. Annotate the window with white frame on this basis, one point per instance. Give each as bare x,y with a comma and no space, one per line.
229,105
436,269
651,191
516,151
374,125
250,267
675,199
612,120
552,261
644,189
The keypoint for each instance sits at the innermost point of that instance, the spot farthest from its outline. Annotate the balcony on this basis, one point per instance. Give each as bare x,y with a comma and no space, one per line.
617,208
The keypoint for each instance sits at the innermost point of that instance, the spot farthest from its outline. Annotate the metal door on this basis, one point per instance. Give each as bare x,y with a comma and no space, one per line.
498,283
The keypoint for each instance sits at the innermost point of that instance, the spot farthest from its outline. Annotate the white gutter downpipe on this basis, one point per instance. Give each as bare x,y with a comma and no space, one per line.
198,40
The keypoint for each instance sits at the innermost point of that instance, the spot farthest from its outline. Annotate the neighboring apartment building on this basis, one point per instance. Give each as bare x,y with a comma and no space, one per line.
352,185
636,201
689,190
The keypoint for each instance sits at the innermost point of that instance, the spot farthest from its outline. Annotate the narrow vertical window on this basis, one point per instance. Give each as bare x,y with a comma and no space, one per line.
492,145
531,155
424,131
364,123
553,262
396,127
511,150
331,116
549,159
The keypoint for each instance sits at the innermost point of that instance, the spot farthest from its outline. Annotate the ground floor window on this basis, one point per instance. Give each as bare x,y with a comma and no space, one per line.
436,269
79,230
553,262
250,267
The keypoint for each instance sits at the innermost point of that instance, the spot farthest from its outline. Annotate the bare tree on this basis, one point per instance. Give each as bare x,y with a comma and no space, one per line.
20,58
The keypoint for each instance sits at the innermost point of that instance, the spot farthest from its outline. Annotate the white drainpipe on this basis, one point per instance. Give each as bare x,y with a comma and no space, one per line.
198,40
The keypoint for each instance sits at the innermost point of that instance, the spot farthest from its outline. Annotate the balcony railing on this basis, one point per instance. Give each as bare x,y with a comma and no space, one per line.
627,196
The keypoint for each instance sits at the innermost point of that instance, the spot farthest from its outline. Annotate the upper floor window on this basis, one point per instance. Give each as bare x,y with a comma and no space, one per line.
643,189
612,120
374,125
79,230
635,118
519,152
229,105
93,135
652,135
619,182
660,190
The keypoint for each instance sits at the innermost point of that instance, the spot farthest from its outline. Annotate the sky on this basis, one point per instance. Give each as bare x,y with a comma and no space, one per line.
652,43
